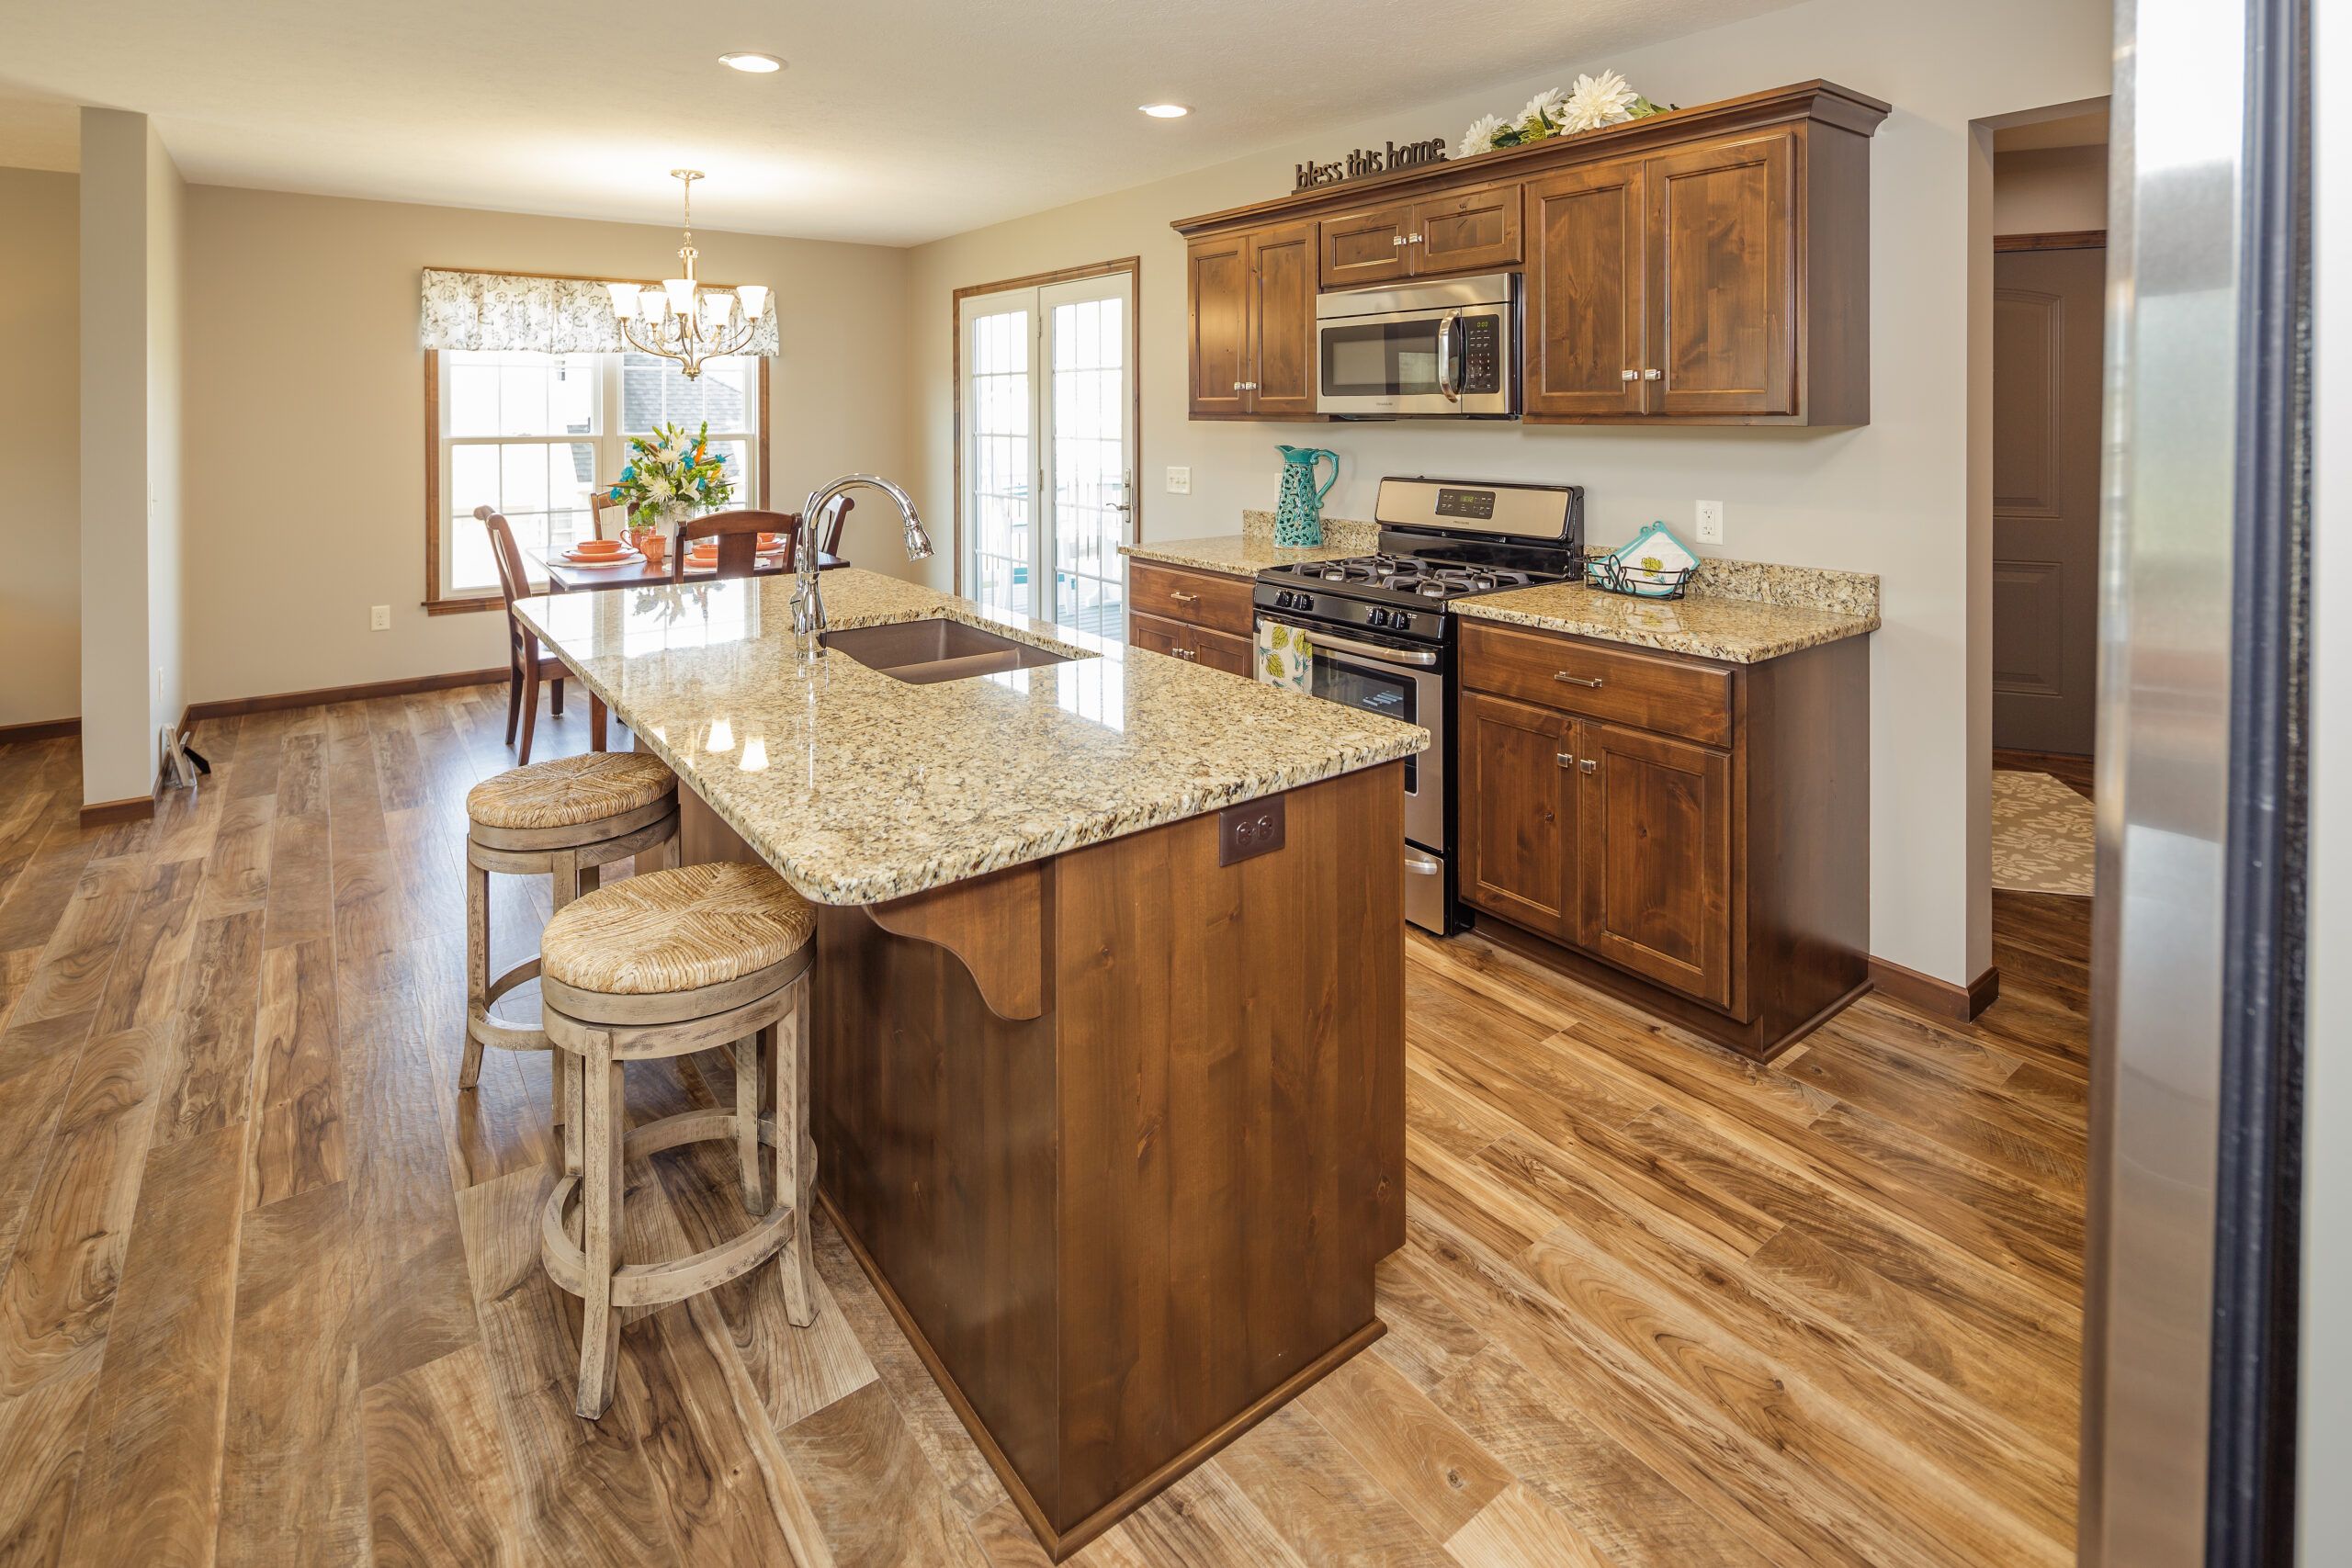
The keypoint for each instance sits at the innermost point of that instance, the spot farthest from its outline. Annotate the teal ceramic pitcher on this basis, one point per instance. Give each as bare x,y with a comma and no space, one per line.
1299,519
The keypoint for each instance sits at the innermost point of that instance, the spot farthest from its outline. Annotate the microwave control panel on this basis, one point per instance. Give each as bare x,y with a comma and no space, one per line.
1482,353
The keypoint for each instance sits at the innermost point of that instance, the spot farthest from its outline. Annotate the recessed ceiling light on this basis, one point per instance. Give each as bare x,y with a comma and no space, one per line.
752,60
1165,111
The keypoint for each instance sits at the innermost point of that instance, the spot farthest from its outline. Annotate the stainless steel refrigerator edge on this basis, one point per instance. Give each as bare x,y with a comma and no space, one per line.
2176,184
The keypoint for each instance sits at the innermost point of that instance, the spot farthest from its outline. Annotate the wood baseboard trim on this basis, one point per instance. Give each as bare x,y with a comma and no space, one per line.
106,813
1939,999
39,729
1060,1544
407,686
2065,239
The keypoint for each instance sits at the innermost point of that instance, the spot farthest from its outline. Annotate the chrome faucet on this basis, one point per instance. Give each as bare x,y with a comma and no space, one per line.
807,596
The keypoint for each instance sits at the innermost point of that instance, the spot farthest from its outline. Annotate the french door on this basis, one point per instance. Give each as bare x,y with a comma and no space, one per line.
1048,400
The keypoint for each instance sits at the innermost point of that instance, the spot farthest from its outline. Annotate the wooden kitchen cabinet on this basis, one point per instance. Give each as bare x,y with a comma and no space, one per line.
1467,230
1253,324
1688,835
1204,617
1681,287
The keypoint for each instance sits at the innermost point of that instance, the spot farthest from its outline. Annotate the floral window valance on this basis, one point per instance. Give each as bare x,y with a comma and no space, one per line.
522,311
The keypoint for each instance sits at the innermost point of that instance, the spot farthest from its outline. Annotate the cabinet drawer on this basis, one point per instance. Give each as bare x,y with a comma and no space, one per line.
1466,232
1648,690
1205,599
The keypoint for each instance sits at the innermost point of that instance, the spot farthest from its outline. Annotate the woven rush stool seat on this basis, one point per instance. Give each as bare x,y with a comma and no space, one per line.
563,819
693,958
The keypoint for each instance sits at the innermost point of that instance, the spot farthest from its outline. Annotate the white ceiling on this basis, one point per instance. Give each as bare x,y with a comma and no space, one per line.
894,124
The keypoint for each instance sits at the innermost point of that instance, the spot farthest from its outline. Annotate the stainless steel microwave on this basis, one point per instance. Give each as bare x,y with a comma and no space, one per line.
1446,349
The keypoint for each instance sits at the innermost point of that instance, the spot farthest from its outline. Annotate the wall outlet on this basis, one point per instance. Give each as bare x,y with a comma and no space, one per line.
1179,481
1710,521
159,682
380,618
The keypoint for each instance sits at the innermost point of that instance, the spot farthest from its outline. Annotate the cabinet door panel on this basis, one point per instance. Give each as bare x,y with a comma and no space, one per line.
1657,893
1219,284
1281,271
1365,247
1471,231
1519,806
1723,224
1585,314
1223,651
1157,634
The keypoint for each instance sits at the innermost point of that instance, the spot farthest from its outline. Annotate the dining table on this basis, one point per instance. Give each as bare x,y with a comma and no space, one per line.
570,577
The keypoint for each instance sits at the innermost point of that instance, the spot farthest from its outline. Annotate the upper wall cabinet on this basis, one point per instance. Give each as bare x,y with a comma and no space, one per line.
1252,295
1705,266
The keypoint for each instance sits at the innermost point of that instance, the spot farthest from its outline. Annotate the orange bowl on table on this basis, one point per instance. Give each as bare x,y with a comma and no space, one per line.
599,548
770,542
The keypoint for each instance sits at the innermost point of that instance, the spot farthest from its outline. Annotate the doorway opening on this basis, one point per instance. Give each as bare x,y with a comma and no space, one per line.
1047,416
2049,338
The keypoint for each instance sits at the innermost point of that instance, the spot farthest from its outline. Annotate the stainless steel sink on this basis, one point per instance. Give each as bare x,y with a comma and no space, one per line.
924,652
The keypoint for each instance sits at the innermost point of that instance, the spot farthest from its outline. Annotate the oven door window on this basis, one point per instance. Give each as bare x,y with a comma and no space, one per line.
1375,689
1380,359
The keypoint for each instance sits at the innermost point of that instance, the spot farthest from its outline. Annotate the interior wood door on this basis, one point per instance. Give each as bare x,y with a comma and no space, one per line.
1471,231
1657,869
1724,239
1518,812
1371,246
2048,344
1587,316
1217,281
1281,309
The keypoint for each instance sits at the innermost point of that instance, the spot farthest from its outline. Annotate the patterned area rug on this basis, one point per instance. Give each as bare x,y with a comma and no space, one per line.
2042,836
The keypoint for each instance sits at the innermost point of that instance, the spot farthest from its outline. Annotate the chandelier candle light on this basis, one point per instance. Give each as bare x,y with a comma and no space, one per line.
685,320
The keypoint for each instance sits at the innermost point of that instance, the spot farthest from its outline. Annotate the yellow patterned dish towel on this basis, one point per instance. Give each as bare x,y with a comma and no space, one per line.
1285,658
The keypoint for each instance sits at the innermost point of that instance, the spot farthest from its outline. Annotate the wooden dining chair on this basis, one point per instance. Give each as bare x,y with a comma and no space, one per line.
599,503
738,534
526,666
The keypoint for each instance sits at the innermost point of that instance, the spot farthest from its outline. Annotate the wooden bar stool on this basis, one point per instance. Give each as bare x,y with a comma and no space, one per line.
695,958
562,820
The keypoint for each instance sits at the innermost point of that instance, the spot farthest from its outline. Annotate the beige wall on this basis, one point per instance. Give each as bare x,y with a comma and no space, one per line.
2050,190
1891,497
40,423
305,457
166,610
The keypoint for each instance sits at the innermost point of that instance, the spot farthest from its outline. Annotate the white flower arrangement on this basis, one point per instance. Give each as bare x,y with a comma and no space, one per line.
1594,102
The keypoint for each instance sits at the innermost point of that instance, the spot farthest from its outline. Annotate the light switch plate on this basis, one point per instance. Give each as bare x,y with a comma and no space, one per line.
1179,481
380,618
1710,521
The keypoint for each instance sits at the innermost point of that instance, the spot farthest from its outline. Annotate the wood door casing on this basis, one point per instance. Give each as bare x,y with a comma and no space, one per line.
1282,321
1723,316
1217,282
2048,346
1657,835
1471,231
1518,813
1586,314
1357,248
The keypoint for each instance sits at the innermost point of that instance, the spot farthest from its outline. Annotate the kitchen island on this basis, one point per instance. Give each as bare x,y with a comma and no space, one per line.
1108,1079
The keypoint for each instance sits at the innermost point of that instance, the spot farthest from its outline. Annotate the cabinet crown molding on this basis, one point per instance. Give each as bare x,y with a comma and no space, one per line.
1825,102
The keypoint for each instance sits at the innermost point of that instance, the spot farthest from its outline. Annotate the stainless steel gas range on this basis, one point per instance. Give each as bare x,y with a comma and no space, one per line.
1383,638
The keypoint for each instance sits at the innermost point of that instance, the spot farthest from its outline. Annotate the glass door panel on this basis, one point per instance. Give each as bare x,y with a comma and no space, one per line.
1000,457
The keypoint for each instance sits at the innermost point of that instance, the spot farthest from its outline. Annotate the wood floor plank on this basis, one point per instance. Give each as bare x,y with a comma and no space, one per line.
60,1286
70,974
1407,1444
212,1083
44,1433
1204,1517
143,986
1322,1501
438,1486
1519,1529
151,1476
857,1449
293,1480
297,1141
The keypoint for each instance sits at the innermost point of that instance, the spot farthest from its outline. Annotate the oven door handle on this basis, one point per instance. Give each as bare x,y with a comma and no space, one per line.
1317,637
1422,865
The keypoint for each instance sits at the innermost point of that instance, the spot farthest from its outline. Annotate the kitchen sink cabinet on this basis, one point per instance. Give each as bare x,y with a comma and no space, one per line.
1689,835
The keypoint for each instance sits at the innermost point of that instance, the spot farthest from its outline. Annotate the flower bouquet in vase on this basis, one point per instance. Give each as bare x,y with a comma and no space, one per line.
671,477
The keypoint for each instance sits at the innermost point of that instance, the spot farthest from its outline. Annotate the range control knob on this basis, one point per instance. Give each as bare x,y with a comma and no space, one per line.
1304,601
1403,622
1379,617
1285,600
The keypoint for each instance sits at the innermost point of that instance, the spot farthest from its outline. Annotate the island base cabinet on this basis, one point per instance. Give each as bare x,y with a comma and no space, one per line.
1723,887
1129,1220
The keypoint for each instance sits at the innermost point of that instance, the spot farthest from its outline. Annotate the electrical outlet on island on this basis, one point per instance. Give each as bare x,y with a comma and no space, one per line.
1179,481
1710,521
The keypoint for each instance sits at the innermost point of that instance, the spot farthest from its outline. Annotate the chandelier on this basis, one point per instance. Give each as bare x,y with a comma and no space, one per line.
685,320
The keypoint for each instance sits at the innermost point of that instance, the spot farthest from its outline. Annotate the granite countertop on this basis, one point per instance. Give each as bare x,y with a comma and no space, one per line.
1710,626
858,787
1236,555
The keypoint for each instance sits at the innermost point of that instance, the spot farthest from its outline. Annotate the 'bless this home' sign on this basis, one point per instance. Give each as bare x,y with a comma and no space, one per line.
1370,160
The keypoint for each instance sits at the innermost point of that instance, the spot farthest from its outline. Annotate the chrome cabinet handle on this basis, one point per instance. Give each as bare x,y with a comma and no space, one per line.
1566,761
1586,766
1398,240
1629,376
1415,239
1182,598
1653,375
1592,681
